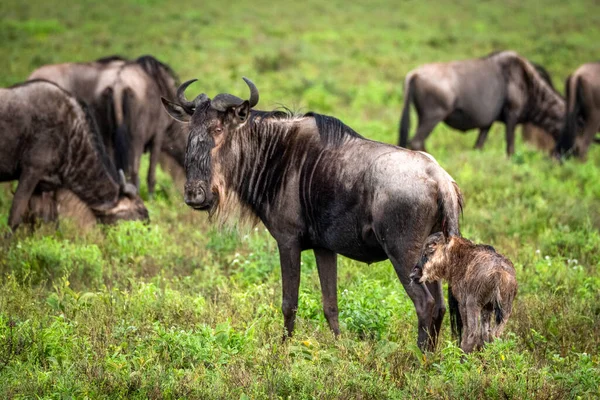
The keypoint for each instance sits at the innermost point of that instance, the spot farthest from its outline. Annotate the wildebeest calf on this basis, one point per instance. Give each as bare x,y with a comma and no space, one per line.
482,281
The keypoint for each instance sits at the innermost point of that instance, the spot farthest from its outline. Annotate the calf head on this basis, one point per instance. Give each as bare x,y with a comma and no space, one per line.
433,244
212,122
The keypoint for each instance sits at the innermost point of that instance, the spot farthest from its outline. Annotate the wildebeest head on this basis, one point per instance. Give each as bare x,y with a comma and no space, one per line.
129,205
211,122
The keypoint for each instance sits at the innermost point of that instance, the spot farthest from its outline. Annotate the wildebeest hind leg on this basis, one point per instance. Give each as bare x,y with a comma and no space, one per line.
511,123
483,133
422,299
327,266
154,155
439,310
27,183
289,256
426,125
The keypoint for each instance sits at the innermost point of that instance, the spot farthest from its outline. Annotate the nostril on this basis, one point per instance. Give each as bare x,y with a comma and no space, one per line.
195,198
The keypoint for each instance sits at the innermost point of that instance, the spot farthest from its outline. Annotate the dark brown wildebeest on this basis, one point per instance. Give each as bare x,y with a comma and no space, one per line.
139,115
582,89
50,141
482,280
317,184
475,93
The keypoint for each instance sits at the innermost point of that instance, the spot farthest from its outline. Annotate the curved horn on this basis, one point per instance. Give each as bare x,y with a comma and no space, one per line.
122,180
188,106
223,101
253,100
128,189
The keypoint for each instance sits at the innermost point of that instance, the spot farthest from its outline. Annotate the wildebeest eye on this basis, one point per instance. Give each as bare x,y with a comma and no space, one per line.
218,130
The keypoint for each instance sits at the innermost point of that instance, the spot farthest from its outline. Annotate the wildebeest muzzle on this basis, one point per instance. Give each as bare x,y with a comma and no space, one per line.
198,195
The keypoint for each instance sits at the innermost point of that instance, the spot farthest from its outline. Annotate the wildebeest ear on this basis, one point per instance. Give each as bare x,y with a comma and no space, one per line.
175,110
242,111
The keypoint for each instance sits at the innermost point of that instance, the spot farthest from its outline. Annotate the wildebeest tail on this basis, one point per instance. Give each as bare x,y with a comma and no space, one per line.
451,205
405,119
574,101
121,134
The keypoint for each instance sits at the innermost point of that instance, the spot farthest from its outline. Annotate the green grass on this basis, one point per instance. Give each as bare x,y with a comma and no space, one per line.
178,309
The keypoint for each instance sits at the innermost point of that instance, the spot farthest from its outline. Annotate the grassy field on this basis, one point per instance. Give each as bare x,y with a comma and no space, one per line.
178,309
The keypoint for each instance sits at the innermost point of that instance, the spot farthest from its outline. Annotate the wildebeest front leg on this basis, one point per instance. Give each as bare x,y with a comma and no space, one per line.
289,256
27,183
483,133
327,266
486,318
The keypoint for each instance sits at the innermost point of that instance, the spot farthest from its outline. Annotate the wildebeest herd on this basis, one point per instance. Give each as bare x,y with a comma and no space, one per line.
78,130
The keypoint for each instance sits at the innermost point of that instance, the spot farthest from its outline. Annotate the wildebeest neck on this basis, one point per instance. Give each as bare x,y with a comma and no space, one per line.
262,158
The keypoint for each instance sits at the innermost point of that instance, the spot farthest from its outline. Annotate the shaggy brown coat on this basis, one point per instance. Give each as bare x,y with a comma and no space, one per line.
482,280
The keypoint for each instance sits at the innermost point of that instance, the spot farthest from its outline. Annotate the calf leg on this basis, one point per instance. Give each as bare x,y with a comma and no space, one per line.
486,317
327,266
27,183
289,256
483,133
472,338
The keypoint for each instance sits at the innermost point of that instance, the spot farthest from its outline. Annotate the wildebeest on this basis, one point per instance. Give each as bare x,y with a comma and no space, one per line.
91,82
475,93
50,141
124,98
317,184
582,89
483,282
139,114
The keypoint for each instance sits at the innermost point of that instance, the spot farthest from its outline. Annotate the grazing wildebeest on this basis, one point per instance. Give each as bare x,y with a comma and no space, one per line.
582,89
317,184
50,141
139,115
475,93
483,282
534,134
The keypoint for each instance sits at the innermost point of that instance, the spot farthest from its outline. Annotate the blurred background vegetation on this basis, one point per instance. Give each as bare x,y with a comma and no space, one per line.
178,309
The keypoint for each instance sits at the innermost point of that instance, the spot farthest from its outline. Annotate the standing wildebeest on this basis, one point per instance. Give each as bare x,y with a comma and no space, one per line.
317,184
483,282
91,82
50,141
475,93
140,117
138,122
582,89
